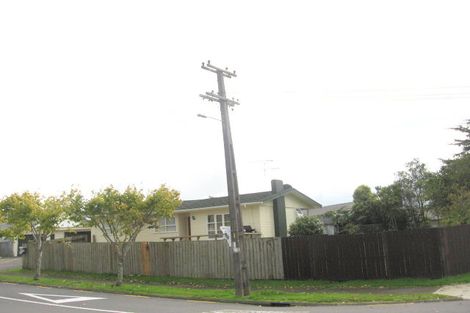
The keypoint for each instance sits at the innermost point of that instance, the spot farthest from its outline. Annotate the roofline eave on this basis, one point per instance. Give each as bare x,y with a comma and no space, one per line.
214,207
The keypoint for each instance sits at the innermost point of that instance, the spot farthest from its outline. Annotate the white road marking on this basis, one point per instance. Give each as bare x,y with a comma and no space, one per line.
62,305
62,298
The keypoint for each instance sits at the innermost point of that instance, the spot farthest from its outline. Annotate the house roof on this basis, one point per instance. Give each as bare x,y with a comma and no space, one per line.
331,208
256,197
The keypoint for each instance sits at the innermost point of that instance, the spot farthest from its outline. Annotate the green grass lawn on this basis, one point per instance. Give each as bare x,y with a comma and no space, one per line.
309,291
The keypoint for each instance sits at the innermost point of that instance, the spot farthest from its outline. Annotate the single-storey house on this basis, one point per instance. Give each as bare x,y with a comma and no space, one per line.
264,214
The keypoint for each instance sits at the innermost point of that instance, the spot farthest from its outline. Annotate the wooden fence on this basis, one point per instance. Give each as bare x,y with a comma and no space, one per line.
6,248
204,259
434,252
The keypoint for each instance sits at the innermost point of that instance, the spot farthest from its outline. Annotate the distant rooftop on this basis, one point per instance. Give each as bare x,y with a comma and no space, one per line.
331,208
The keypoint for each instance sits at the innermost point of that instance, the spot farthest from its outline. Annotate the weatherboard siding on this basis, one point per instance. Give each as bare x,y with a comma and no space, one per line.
292,204
266,227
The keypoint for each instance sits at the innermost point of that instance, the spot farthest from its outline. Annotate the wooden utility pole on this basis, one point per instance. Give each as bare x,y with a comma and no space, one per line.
240,270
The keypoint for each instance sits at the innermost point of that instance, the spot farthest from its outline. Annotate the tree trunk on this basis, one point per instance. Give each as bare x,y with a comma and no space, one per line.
121,251
38,259
120,269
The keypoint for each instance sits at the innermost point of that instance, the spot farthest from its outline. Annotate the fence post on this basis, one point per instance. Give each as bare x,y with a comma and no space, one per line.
444,251
145,257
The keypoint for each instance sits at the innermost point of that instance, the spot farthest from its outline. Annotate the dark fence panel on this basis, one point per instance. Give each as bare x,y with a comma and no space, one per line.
433,253
455,249
334,257
414,253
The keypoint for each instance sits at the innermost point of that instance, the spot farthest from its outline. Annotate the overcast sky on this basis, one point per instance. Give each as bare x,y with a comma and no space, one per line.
333,94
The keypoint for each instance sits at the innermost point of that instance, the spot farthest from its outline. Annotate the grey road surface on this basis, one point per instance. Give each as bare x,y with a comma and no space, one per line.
31,299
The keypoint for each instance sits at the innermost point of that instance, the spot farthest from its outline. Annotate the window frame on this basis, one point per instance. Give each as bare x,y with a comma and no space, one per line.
301,212
215,232
163,225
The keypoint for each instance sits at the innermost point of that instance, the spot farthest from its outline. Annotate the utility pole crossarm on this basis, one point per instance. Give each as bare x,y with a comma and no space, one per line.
215,69
212,96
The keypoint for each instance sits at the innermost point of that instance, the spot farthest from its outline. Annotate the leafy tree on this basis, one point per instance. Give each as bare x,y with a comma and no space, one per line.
377,211
464,143
30,213
459,210
393,216
306,225
383,210
365,210
122,216
448,186
413,183
342,219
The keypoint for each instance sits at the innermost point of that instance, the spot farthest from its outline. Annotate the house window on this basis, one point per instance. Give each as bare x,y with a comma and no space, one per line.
167,224
214,222
79,236
301,212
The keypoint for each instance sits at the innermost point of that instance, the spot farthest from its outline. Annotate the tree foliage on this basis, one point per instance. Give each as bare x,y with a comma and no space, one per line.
306,225
343,221
121,216
464,143
401,205
29,213
418,196
449,187
413,183
365,206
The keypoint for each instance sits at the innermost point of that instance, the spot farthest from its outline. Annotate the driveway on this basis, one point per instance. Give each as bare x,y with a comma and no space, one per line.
461,291
10,263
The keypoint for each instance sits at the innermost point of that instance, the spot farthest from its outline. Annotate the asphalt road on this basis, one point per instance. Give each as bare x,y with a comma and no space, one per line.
32,299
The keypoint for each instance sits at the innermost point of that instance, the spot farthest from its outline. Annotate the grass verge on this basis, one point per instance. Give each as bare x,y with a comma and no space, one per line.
297,285
102,283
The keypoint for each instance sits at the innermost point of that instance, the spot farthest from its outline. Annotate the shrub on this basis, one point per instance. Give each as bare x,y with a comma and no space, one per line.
306,225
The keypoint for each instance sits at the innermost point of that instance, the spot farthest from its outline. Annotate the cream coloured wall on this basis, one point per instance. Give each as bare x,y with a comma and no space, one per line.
199,220
147,234
293,203
250,216
59,234
266,227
